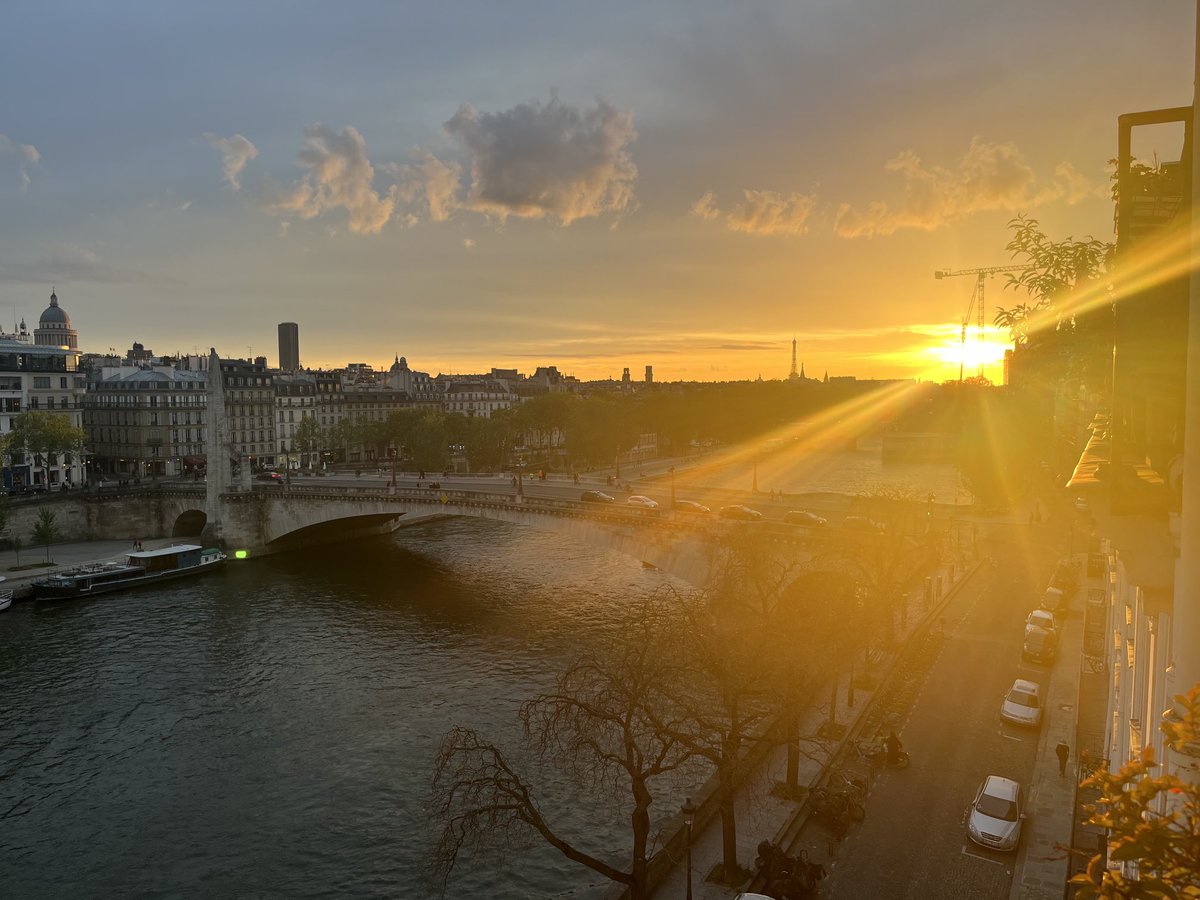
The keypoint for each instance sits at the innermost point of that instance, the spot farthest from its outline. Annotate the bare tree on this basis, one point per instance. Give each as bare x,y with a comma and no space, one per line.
596,725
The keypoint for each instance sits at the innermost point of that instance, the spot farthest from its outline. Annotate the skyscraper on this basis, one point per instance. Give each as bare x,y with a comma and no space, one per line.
289,347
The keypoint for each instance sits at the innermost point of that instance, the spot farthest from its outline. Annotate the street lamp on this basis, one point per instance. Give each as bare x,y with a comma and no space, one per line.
672,471
754,486
521,479
392,453
689,816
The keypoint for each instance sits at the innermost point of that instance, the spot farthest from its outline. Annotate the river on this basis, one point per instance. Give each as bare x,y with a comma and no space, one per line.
270,730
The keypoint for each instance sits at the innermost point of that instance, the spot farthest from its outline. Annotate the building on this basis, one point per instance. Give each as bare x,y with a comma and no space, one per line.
289,347
249,409
295,401
42,377
54,327
146,422
479,397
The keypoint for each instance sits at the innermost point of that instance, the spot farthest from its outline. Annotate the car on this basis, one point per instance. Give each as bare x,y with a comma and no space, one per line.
691,506
1041,618
1040,645
642,501
269,476
740,513
1022,705
1053,600
596,497
803,517
997,813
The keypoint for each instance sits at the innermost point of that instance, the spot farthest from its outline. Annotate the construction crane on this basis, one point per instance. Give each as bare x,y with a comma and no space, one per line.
976,304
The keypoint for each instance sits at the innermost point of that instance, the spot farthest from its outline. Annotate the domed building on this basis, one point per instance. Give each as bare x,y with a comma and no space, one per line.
54,327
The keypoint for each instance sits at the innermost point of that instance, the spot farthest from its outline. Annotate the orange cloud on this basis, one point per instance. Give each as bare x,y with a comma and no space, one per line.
761,212
990,176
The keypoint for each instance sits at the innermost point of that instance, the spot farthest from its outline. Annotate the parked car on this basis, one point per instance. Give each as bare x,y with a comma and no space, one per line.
740,513
269,476
1022,704
803,517
1041,618
596,497
1040,645
642,501
691,506
996,814
1053,600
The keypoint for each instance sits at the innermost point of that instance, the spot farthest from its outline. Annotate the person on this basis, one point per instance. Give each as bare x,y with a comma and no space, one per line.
577,478
1063,751
893,746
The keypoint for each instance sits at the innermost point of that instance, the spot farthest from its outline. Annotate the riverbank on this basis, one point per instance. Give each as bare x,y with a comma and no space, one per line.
31,560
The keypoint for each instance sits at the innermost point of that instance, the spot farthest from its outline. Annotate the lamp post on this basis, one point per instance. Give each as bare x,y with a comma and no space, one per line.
521,479
689,816
672,471
754,485
392,453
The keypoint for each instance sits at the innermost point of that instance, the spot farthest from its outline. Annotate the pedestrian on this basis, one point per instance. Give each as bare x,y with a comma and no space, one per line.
1064,753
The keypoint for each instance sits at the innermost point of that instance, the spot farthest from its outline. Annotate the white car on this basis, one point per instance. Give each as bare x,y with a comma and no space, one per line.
643,502
1023,704
996,814
1043,619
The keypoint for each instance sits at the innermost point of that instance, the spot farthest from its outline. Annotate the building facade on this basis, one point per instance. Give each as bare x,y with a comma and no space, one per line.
146,422
250,412
289,347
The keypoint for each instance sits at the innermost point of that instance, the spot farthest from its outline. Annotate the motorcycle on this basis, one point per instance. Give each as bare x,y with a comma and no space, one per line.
787,877
877,755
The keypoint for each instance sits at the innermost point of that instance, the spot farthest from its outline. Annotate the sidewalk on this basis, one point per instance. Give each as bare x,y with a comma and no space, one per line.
1044,865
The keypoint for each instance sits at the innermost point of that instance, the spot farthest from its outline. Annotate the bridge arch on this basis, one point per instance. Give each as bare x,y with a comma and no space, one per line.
189,523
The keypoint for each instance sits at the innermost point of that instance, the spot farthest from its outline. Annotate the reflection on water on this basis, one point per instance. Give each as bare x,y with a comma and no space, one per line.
270,730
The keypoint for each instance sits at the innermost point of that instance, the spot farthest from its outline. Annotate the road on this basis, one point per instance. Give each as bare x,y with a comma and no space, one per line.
913,843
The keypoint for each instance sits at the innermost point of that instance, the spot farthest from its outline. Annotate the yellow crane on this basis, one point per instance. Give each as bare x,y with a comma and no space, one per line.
976,303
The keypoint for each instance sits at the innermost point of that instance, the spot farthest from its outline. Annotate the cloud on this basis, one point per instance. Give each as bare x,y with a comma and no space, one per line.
71,263
429,181
27,155
549,159
236,151
990,176
339,176
706,207
761,212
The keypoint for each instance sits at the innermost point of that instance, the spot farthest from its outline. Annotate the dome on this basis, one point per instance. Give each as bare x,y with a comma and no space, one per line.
54,314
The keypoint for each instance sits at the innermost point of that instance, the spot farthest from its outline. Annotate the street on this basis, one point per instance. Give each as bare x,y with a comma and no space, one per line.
913,843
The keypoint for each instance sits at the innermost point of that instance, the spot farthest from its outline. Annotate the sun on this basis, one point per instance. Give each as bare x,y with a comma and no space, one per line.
974,354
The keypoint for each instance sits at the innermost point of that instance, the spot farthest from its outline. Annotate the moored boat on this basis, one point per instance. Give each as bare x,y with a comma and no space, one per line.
141,567
5,596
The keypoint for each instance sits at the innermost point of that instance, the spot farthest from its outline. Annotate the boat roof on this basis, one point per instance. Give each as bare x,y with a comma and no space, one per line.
173,550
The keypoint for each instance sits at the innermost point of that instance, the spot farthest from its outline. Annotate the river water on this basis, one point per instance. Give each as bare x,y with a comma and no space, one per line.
270,730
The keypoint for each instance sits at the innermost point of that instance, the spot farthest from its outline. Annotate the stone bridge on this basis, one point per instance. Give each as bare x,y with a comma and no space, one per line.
267,519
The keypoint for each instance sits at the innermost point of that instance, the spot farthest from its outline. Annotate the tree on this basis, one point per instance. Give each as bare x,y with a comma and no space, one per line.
43,434
596,726
1153,820
45,529
308,438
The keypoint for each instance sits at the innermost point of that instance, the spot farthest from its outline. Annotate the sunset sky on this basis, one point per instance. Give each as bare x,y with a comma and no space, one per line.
595,186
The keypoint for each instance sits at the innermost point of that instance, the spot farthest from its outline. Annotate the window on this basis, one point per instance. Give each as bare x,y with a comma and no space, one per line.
41,381
62,383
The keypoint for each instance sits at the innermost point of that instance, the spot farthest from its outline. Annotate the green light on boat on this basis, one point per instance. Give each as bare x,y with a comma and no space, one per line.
240,554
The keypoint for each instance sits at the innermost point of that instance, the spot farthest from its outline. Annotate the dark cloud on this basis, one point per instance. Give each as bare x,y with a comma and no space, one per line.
547,159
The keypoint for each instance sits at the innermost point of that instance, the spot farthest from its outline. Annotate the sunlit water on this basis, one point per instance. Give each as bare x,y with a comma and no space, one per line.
270,730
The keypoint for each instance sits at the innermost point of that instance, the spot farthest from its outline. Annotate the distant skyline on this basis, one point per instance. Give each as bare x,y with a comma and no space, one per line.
681,185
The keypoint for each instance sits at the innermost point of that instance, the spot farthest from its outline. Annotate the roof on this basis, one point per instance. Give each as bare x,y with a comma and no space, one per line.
999,786
173,550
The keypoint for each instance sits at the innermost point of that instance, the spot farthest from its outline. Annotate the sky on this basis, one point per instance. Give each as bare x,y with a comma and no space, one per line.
596,186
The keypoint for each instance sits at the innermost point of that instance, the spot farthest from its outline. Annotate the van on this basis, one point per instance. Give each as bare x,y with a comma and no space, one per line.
1040,645
1053,600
